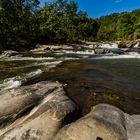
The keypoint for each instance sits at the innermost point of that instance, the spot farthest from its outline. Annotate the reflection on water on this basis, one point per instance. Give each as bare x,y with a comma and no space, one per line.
100,81
89,81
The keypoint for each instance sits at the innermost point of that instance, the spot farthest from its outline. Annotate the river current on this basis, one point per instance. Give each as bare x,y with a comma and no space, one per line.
89,78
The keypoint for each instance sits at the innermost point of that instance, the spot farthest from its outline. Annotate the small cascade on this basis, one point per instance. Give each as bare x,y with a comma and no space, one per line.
108,46
17,81
85,52
9,83
137,45
15,58
132,55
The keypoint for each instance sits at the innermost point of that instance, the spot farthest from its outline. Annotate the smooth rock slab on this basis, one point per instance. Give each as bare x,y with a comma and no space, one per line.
45,119
37,112
104,122
16,101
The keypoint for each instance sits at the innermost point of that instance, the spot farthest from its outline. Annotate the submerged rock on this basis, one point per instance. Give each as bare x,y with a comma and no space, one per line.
50,47
102,51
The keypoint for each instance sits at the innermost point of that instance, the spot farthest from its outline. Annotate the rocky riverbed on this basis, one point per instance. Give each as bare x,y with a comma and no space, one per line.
97,96
43,111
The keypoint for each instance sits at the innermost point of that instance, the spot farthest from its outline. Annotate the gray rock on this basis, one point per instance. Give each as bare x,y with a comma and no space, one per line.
104,122
9,53
44,120
37,112
133,127
101,51
16,101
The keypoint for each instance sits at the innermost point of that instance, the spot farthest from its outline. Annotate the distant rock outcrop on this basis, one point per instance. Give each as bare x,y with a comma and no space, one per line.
129,44
8,53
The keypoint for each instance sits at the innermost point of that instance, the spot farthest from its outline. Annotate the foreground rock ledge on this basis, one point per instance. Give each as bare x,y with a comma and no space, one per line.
43,121
37,112
104,122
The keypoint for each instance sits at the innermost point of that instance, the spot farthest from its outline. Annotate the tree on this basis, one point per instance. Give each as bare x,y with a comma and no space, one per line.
125,26
23,22
119,26
17,18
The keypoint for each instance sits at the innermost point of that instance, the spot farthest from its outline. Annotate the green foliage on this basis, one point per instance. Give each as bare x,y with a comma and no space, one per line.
16,19
23,22
61,20
120,26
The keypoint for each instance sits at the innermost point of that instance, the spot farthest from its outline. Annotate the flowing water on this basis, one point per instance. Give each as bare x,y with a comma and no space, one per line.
90,78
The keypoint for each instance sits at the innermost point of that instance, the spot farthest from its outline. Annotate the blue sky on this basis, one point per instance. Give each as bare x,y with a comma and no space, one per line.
97,8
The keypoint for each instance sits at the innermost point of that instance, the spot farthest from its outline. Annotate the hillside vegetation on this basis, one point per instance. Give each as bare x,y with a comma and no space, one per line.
120,26
24,23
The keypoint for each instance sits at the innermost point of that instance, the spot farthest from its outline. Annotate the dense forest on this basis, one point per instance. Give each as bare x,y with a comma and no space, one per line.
24,23
120,26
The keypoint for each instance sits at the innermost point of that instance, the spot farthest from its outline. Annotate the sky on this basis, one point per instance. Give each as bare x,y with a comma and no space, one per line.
98,8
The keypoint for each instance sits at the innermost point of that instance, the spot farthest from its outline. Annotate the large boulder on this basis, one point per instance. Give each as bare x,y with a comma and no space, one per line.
16,101
104,122
37,113
43,112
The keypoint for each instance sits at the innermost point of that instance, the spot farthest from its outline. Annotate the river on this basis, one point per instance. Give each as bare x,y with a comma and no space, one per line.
89,79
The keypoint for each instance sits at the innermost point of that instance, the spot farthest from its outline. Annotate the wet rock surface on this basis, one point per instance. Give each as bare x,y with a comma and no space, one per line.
8,53
102,51
40,122
50,47
129,44
94,48
44,112
104,122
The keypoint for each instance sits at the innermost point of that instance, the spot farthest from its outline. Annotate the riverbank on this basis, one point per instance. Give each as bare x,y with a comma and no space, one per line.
46,113
94,78
119,47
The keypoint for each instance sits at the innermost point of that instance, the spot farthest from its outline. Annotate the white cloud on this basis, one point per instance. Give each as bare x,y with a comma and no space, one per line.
118,1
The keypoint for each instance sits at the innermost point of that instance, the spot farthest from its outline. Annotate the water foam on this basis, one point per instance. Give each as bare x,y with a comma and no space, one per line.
108,46
36,64
70,58
9,83
137,45
17,81
32,74
14,82
26,58
88,52
124,56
